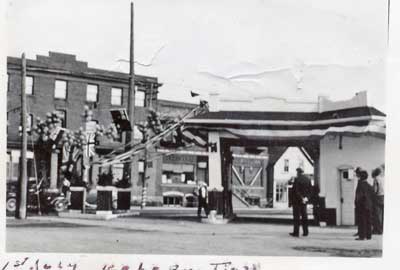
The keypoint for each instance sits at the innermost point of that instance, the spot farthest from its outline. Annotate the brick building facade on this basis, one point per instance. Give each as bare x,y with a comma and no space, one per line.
59,82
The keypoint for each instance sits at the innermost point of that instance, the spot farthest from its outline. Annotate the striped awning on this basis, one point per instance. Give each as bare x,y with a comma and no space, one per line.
291,125
308,133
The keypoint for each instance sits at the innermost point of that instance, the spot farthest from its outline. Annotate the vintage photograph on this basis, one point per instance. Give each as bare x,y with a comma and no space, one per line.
243,128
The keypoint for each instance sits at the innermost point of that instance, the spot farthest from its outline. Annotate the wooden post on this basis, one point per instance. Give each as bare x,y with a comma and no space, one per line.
131,100
270,184
388,22
264,180
131,96
144,180
227,160
23,176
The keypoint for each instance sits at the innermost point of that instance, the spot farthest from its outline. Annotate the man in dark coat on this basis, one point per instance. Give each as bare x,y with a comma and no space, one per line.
364,205
357,214
301,194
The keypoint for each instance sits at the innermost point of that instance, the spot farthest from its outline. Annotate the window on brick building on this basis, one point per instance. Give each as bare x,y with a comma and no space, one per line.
116,96
177,173
140,98
92,93
60,89
29,85
62,115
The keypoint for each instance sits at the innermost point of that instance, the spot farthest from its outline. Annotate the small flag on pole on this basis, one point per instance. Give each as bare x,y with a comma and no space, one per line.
193,94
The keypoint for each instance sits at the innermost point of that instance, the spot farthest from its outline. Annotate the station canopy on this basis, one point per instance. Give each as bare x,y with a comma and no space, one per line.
352,117
273,125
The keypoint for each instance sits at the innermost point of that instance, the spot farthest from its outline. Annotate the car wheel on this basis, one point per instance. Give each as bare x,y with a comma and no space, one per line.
11,205
60,205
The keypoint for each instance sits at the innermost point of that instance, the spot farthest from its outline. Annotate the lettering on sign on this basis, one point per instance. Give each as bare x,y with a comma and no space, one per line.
180,158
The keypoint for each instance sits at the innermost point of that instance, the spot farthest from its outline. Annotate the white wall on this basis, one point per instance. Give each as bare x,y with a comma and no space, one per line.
219,102
226,103
294,155
367,152
359,100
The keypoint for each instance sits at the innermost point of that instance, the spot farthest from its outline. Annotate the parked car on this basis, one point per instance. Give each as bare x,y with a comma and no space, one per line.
37,195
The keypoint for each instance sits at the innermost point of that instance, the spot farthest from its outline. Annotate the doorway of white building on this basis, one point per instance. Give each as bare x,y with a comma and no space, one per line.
347,184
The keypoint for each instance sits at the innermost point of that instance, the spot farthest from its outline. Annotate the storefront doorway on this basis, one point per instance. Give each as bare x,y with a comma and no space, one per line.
347,195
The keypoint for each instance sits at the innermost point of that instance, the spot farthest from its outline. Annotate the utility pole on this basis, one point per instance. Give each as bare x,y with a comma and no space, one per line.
388,21
129,138
144,181
23,176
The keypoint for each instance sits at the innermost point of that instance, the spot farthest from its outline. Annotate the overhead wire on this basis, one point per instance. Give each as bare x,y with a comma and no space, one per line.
153,139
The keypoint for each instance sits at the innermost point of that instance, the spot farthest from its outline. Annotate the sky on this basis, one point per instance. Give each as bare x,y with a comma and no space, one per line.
281,48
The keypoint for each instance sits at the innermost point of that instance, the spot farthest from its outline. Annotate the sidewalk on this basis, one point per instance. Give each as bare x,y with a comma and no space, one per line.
282,216
267,215
136,235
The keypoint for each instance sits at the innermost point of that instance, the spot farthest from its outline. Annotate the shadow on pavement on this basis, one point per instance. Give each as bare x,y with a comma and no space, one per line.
47,225
342,252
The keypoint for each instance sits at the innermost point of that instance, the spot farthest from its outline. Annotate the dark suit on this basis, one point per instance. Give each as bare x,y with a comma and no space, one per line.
378,214
377,227
364,206
302,188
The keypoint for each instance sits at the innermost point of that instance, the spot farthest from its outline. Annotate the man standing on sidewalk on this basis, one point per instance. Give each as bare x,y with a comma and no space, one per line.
364,204
378,176
202,199
301,193
356,210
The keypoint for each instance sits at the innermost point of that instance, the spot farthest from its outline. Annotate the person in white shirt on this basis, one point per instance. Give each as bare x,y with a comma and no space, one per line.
202,199
378,185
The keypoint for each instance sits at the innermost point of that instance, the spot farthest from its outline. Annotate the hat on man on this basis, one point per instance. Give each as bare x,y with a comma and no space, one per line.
300,170
357,171
376,172
202,183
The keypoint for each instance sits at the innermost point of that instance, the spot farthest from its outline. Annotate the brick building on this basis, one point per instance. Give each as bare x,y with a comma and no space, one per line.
59,82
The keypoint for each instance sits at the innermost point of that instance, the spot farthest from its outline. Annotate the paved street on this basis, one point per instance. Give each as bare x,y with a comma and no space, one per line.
187,237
